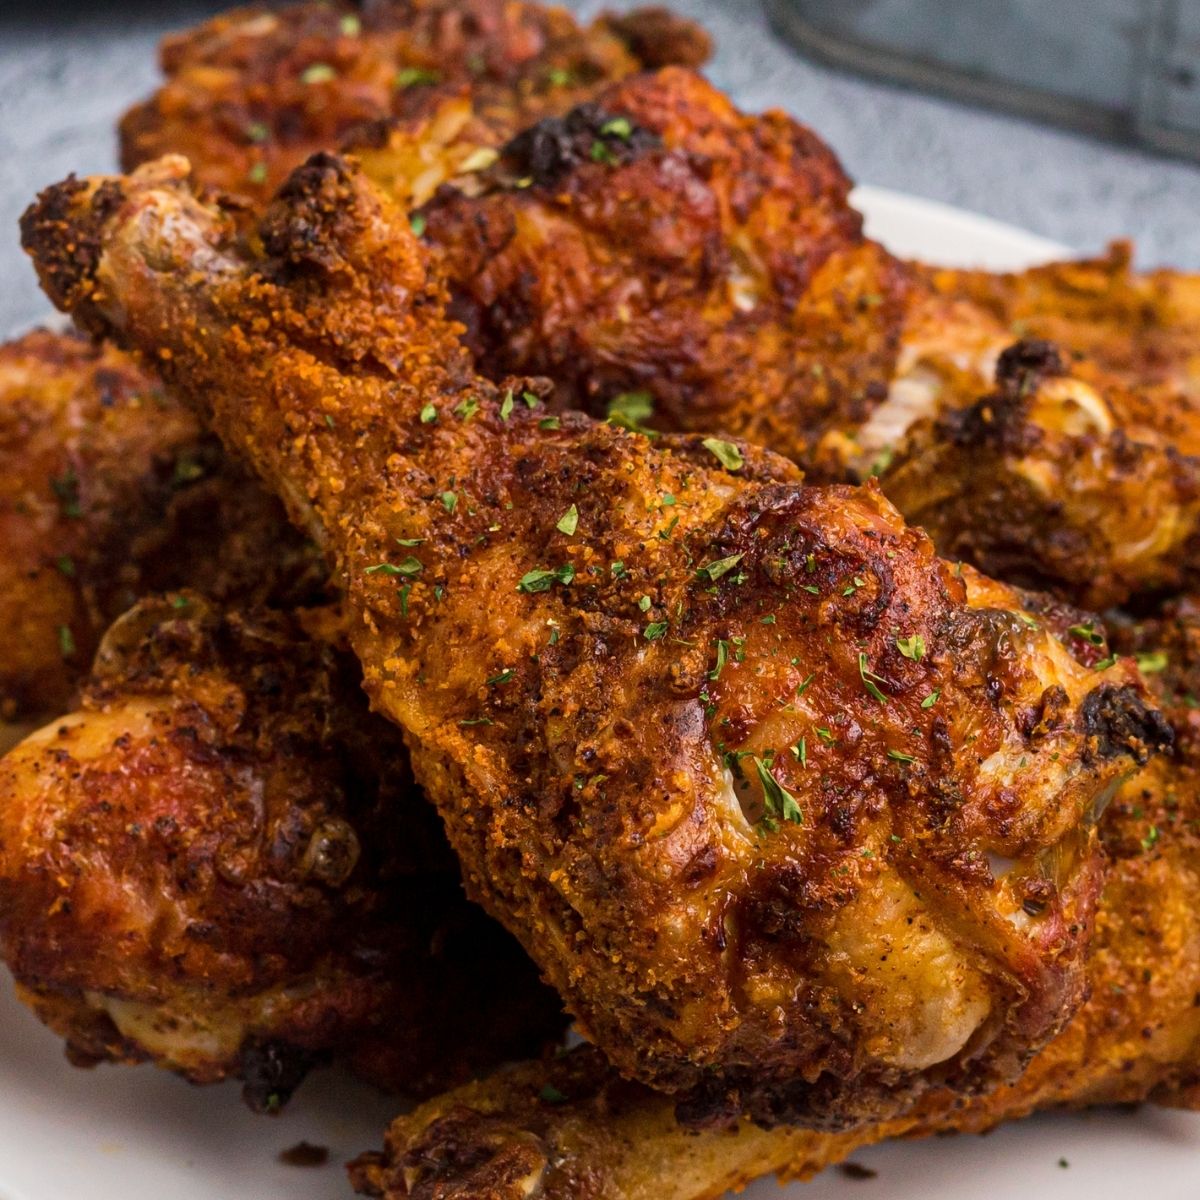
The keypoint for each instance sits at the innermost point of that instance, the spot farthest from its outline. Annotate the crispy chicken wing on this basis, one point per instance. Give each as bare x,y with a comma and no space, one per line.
702,269
702,737
573,1128
253,92
219,863
109,490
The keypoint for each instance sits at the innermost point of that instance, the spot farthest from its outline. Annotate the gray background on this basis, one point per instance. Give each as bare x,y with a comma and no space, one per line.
68,71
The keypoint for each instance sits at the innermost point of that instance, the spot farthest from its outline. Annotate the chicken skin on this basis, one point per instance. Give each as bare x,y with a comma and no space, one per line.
109,490
663,255
219,863
572,1128
702,737
253,92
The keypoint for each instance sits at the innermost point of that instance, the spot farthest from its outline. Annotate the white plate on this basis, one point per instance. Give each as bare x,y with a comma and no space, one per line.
124,1134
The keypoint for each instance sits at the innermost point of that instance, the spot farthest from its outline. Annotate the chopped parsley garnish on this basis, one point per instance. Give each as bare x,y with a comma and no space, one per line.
256,131
1151,838
410,568
1087,632
726,453
428,414
66,488
618,569
551,1095
318,73
778,801
408,77
644,603
405,592
600,153
66,565
569,521
507,406
870,679
477,721
257,173
912,647
467,408
932,698
630,410
542,580
655,630
824,734
449,501
409,541
1105,663
350,25
531,401
800,752
417,224
617,127
804,686
722,659
549,423
1152,661
714,570
900,756
502,677
882,463
66,641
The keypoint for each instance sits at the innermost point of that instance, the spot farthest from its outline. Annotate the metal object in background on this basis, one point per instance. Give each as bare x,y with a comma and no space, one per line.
1125,69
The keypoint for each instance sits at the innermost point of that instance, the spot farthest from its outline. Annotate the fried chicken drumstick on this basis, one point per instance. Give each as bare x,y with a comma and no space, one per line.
110,490
659,248
702,737
219,863
253,92
573,1128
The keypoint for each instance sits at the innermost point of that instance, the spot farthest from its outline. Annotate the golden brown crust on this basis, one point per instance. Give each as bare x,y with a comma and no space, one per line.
583,744
219,864
575,1129
253,92
109,489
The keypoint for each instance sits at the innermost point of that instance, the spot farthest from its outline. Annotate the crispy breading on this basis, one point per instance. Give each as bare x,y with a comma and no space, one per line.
250,94
219,863
656,247
109,489
572,1128
702,737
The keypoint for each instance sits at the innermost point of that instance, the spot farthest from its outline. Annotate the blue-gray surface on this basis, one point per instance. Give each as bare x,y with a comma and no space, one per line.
67,72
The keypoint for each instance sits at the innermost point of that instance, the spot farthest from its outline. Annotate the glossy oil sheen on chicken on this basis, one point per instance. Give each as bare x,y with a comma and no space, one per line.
702,737
219,863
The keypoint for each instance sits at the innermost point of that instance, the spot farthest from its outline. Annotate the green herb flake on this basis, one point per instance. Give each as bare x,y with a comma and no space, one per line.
550,423
477,721
257,173
912,647
655,630
318,73
644,603
66,641
569,521
722,566
551,1095
429,414
350,25
804,686
617,127
870,679
410,568
800,752
900,756
256,131
408,77
417,224
66,488
726,453
826,735
722,659
449,501
1087,633
409,541
630,410
618,569
542,580
932,698
779,802
1105,663
531,401
600,153
1151,838
507,406
66,565
1152,661
467,408
504,676
180,602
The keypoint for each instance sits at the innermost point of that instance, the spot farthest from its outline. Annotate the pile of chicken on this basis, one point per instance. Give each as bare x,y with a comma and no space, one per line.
475,415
